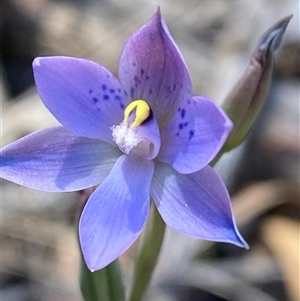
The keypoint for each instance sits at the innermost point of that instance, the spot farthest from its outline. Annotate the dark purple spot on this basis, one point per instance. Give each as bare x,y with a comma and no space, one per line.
95,99
147,77
189,102
185,124
112,90
122,106
177,134
174,87
137,80
142,71
191,134
180,126
90,91
106,97
150,91
119,90
107,75
125,92
104,87
118,97
179,109
133,64
132,92
182,113
169,89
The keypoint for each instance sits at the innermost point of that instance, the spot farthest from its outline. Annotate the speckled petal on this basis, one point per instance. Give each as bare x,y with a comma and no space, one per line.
195,135
152,68
84,96
115,214
197,204
55,159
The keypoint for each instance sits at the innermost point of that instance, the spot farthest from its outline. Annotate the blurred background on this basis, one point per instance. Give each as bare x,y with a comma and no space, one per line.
39,250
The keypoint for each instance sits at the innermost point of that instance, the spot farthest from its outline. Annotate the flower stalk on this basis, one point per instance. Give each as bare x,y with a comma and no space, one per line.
102,285
148,253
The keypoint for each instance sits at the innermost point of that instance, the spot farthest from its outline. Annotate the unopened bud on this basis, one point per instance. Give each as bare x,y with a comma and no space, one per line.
246,98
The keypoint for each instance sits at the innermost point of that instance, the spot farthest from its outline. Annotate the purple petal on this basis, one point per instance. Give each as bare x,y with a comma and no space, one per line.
152,68
115,214
55,159
197,204
195,135
84,96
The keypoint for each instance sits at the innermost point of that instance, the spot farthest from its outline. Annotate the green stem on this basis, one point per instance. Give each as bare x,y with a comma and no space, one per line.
103,285
148,253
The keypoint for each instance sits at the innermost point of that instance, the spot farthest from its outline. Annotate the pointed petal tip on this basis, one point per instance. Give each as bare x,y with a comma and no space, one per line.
91,262
91,269
281,25
92,266
232,237
240,242
272,37
158,17
287,18
236,237
246,246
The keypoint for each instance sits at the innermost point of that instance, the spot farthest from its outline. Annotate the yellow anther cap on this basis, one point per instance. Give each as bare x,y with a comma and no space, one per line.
142,112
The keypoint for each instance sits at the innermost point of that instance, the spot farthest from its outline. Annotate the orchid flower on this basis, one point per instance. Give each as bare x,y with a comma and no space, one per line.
142,137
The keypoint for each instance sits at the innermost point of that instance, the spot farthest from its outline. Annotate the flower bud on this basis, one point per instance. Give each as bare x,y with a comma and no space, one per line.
246,98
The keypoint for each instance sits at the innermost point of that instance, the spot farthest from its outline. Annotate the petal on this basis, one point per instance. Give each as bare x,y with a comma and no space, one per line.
55,159
195,135
197,204
115,214
84,96
152,68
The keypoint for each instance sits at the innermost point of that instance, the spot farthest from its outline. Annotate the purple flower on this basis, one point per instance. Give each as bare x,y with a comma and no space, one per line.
144,135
